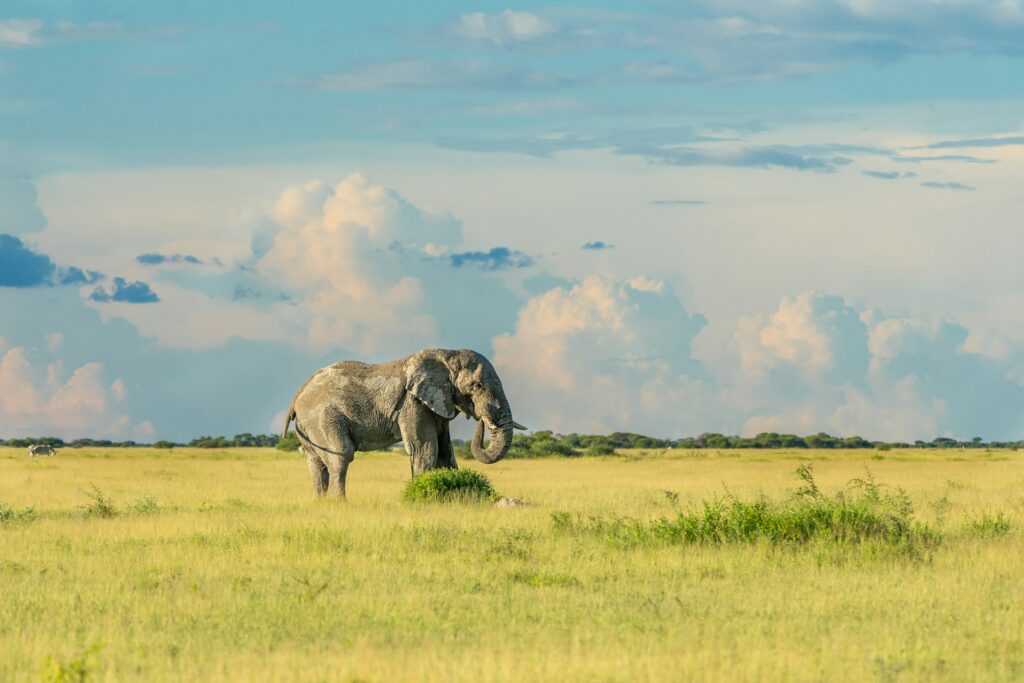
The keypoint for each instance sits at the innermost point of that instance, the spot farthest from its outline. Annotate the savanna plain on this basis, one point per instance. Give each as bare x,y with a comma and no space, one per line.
213,565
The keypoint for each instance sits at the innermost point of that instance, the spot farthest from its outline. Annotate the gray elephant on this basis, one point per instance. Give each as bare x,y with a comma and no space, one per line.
352,406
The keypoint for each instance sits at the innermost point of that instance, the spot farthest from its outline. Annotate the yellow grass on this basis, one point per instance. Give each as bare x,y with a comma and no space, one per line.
235,574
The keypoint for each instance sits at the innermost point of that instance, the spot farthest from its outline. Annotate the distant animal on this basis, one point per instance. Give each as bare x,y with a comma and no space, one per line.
41,449
352,406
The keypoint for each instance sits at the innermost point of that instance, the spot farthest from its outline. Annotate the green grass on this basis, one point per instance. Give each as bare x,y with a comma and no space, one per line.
187,564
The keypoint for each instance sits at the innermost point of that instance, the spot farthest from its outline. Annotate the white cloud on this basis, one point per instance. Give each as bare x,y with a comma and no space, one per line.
338,250
503,29
597,356
185,319
819,363
35,402
813,332
20,32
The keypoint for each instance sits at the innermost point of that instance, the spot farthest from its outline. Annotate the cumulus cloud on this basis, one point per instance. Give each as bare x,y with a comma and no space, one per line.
813,334
19,212
160,259
36,401
594,356
20,266
126,292
339,249
497,258
818,362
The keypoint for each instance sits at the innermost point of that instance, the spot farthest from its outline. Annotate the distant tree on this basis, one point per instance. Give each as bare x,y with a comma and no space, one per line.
163,444
289,443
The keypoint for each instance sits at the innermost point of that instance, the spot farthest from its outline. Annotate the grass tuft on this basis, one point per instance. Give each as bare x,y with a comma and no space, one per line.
445,485
990,526
146,505
10,514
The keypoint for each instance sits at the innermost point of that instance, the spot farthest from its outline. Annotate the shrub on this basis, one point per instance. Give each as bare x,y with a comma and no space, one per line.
990,526
9,514
600,449
145,505
289,443
101,506
446,485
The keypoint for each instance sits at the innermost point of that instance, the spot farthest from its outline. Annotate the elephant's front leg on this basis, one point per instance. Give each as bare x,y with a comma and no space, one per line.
420,437
445,449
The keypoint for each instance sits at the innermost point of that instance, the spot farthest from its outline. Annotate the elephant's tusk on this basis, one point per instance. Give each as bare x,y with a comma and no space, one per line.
516,425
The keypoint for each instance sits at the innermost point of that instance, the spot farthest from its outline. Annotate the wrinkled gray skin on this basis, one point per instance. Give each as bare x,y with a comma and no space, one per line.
352,406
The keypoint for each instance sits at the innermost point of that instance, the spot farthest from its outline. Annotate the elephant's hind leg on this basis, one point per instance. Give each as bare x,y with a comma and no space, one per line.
317,471
337,452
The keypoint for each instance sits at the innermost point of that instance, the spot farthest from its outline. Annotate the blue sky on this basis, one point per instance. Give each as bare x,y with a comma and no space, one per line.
667,217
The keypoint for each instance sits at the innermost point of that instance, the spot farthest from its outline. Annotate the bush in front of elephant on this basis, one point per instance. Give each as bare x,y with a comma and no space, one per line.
449,485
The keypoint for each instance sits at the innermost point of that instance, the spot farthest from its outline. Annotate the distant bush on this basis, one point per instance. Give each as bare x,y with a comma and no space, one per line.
446,485
100,505
990,526
163,444
10,514
600,449
289,443
146,505
238,441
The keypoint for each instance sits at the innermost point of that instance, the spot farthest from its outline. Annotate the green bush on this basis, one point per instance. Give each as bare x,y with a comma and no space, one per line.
289,443
10,514
600,449
446,485
990,526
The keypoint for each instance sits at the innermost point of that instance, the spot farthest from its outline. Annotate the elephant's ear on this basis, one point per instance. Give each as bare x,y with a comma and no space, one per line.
428,380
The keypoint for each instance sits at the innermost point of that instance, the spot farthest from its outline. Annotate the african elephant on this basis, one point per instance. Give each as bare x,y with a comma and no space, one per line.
352,406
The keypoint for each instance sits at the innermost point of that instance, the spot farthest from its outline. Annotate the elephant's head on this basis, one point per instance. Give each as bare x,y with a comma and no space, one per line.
463,380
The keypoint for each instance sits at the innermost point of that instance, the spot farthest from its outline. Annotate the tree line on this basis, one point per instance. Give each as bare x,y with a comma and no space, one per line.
546,442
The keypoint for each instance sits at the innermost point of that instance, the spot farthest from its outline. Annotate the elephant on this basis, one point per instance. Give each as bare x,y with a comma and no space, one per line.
352,406
41,449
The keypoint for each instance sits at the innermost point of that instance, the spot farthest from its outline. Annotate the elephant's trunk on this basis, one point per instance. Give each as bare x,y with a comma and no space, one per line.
501,441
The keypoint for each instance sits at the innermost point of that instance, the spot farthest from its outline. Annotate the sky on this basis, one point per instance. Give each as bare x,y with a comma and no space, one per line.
661,217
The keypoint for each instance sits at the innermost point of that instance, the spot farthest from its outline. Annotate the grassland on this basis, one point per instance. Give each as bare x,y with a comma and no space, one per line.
216,565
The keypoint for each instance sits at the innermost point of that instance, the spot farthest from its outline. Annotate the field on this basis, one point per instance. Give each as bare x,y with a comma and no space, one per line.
217,565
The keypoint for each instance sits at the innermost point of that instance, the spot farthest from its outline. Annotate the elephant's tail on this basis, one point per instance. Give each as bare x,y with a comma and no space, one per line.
289,416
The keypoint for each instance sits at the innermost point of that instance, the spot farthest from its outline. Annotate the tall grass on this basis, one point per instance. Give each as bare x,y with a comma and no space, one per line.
216,566
863,512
